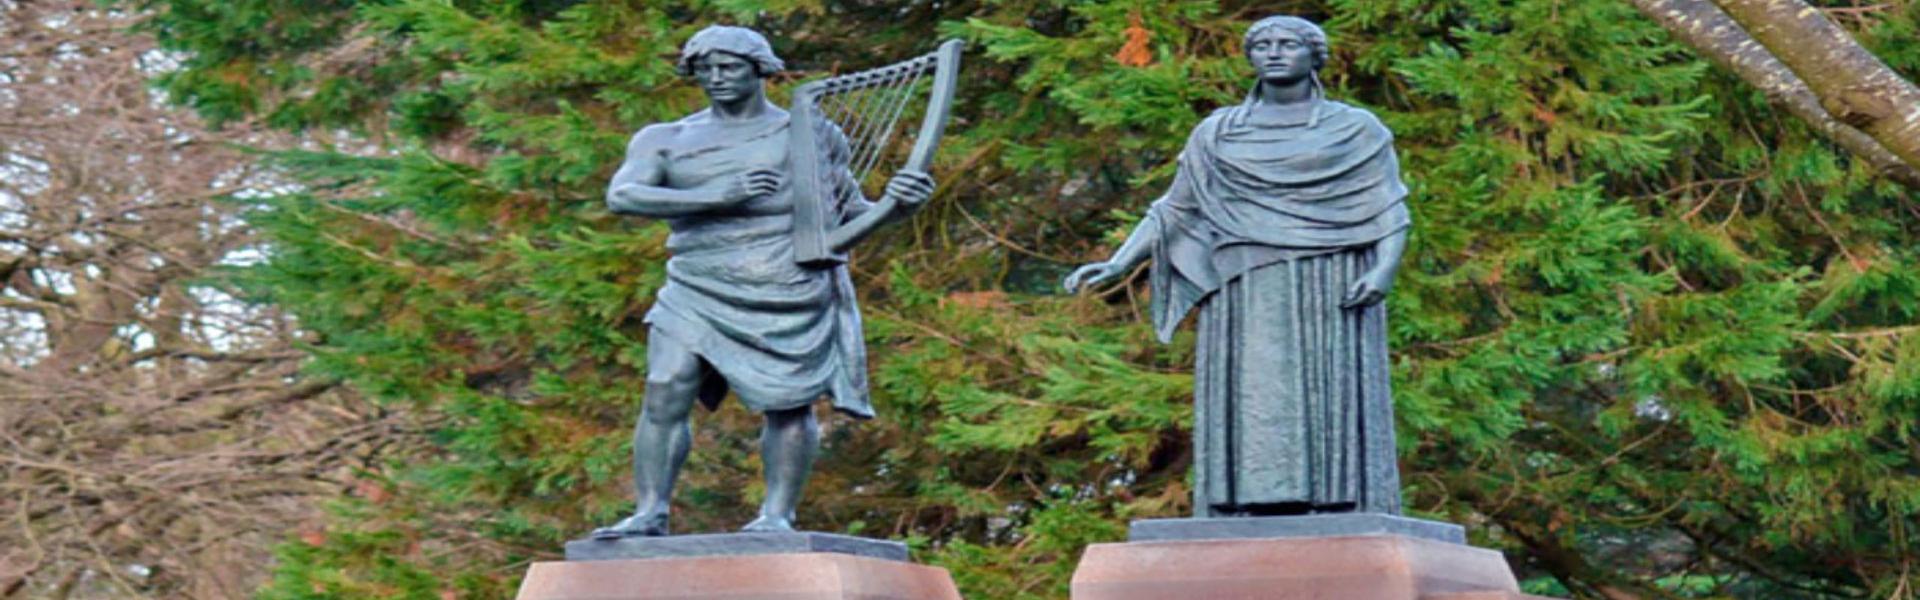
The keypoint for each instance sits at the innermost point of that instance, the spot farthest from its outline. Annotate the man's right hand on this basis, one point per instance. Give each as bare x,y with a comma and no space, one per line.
1090,274
752,184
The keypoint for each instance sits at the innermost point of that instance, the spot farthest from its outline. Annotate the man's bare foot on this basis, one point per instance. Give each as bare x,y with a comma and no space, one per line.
766,524
638,525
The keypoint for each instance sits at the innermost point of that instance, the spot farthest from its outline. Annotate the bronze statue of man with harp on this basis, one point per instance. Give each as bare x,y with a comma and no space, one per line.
763,204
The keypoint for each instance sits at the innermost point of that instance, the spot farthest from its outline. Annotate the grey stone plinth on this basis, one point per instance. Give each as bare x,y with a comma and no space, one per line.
1330,525
734,544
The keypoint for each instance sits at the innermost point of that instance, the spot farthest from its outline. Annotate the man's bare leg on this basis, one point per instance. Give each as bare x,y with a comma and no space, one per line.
661,437
787,447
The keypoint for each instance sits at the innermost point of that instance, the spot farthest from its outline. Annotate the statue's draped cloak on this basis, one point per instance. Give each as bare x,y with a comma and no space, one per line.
1266,225
778,334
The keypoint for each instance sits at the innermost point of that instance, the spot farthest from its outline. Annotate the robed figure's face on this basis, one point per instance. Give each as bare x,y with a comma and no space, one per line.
726,77
1281,56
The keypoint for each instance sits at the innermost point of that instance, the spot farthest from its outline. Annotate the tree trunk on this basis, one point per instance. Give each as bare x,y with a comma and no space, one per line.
1716,36
1853,85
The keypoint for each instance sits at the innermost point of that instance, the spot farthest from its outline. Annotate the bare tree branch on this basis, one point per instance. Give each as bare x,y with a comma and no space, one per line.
1715,35
1853,84
156,433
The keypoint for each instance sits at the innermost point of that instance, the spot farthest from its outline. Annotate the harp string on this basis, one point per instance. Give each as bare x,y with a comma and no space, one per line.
853,107
832,110
871,96
871,100
874,126
903,97
866,118
837,109
871,123
844,113
832,177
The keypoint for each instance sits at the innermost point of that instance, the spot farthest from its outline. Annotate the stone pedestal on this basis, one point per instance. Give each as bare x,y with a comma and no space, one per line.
1344,557
734,544
757,566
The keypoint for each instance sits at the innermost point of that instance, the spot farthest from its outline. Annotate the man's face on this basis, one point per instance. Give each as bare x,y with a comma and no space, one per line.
726,77
1281,56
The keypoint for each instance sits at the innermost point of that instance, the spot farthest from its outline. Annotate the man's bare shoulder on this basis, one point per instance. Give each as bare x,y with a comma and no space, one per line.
664,135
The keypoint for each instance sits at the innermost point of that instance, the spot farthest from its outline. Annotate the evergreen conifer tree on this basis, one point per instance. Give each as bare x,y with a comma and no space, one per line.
1654,338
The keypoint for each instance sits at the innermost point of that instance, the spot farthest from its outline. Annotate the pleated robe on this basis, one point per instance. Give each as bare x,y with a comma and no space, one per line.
1265,227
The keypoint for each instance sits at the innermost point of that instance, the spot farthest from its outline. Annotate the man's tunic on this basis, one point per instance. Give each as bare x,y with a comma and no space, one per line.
778,334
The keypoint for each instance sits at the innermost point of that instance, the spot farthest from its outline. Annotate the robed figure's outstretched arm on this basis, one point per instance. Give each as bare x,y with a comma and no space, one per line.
1140,244
1137,249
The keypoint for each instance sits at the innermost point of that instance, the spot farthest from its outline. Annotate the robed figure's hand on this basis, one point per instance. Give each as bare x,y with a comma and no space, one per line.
1088,275
1369,289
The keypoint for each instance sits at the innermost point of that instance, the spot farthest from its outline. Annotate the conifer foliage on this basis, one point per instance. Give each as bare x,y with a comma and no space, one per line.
1655,339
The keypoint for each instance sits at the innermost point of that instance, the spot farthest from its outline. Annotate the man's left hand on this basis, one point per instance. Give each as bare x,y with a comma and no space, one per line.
910,188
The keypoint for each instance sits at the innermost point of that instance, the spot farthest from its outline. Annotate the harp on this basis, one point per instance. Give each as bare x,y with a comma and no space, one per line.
843,129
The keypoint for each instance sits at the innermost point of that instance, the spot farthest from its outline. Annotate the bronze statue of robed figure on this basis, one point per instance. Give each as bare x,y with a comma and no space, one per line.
1283,229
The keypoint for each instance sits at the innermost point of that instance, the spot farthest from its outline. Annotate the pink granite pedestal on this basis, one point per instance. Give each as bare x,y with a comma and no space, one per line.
1355,567
794,576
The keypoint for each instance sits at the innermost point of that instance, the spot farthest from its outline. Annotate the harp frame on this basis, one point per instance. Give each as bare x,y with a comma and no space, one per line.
815,214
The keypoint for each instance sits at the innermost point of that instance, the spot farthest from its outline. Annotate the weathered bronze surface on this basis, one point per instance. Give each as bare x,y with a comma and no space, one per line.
1283,228
739,312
